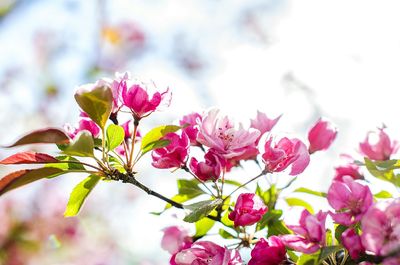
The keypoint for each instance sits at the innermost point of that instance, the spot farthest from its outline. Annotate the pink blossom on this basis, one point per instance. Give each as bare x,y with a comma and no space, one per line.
210,169
351,170
350,199
268,252
190,125
380,150
116,87
206,252
174,154
250,152
277,157
175,239
220,134
352,242
309,234
392,261
135,96
263,123
321,135
381,228
249,209
84,124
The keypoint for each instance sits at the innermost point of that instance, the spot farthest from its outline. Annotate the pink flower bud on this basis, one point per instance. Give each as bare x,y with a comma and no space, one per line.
382,149
190,124
175,239
249,209
321,136
380,228
268,252
89,125
350,199
135,96
173,155
352,242
277,157
206,252
210,169
309,234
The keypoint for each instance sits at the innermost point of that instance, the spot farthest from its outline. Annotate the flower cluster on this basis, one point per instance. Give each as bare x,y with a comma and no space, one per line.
211,153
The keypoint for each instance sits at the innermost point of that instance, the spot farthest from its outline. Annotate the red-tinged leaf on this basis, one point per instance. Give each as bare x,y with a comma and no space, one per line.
26,176
29,158
44,136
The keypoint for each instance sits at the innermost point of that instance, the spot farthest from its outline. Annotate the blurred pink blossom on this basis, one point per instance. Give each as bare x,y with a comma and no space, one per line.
321,135
382,149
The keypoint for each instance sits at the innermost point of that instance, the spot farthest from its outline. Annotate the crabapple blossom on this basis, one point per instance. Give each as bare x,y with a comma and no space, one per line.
381,228
350,199
174,154
351,170
263,123
321,136
190,126
206,252
382,149
210,169
309,234
135,96
249,209
175,239
352,242
278,156
220,134
128,130
268,252
84,124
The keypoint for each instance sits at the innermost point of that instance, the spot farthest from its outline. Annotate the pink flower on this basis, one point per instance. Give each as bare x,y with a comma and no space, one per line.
271,252
173,155
135,96
381,228
277,157
210,169
220,134
191,121
263,123
351,170
249,209
175,239
310,233
352,242
382,149
84,124
116,87
206,252
321,136
350,199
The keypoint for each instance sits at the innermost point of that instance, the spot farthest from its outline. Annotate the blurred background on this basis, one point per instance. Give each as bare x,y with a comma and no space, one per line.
305,59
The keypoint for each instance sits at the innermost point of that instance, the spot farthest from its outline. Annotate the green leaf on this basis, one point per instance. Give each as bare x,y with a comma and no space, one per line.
201,209
225,234
383,195
96,102
308,259
277,228
226,221
66,163
339,230
269,218
312,192
327,251
115,135
26,176
81,146
383,170
149,141
203,226
299,202
292,256
189,187
44,136
79,194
